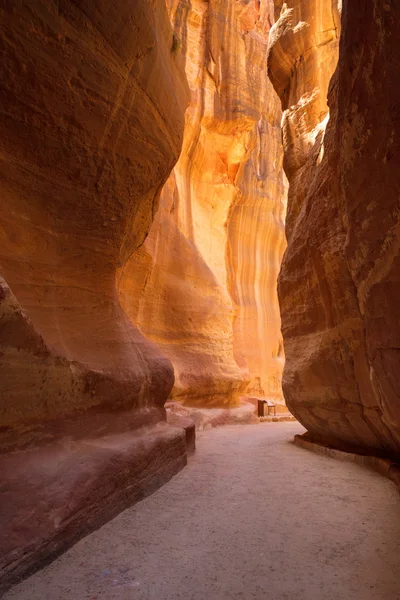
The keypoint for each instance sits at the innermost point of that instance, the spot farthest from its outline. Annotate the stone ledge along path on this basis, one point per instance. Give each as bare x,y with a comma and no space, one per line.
251,516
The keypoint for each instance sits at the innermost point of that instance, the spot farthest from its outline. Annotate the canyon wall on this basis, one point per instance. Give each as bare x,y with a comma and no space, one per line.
203,285
91,121
339,287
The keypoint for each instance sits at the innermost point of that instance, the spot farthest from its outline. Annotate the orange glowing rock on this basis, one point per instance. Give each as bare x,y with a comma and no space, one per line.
203,285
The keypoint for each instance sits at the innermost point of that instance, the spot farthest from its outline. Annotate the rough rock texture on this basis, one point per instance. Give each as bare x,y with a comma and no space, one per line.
91,120
339,286
203,285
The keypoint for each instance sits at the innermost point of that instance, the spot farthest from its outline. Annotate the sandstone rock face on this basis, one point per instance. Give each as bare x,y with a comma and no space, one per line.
91,123
203,285
339,287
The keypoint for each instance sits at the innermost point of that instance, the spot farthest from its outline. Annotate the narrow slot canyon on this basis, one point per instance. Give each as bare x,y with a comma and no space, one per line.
199,266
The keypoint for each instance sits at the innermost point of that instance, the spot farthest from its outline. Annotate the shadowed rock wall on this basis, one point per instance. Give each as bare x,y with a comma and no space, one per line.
339,286
91,122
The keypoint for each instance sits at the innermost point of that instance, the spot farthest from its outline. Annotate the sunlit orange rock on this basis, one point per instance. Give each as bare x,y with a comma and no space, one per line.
91,123
339,287
203,285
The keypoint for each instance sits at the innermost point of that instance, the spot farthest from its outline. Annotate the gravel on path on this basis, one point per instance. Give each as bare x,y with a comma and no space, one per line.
251,517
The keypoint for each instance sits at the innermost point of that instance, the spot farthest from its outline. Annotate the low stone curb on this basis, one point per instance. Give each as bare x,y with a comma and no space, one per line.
190,429
383,466
278,419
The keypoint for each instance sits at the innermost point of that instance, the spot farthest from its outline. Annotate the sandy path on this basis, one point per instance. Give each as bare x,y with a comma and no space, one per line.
252,516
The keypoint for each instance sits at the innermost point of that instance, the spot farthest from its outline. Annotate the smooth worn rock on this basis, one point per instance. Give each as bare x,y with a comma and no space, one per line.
203,285
207,418
55,494
181,419
339,286
91,124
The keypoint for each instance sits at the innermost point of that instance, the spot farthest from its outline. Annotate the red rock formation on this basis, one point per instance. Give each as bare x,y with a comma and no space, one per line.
339,286
203,285
91,122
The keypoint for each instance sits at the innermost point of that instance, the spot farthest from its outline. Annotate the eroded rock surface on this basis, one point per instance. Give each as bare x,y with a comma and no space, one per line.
339,286
91,122
203,285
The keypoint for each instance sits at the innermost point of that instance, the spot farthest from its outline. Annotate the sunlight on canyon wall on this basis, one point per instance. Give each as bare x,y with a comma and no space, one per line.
203,285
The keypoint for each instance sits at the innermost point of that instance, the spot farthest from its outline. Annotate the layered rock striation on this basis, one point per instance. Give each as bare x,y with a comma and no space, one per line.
91,121
339,285
203,285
